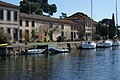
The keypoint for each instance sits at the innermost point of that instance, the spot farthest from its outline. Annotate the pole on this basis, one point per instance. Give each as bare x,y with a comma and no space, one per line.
116,20
91,20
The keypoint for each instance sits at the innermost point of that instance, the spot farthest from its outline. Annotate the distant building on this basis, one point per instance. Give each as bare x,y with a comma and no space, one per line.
86,25
9,19
43,25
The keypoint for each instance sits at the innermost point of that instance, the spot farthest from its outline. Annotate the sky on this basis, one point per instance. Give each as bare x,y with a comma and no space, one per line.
101,8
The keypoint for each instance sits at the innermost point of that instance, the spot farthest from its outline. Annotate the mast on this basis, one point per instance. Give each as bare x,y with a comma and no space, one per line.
116,20
91,20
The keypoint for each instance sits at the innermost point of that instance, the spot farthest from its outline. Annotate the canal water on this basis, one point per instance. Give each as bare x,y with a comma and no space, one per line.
96,64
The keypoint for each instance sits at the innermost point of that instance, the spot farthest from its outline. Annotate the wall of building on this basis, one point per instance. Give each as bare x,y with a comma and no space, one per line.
10,25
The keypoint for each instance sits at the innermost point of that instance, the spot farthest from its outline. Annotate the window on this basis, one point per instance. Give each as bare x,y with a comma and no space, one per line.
45,33
20,22
50,25
1,14
8,15
27,23
20,33
71,27
62,26
33,23
15,16
74,35
8,30
62,33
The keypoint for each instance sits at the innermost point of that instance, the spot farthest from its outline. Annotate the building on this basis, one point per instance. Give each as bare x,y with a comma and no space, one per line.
86,25
33,27
9,19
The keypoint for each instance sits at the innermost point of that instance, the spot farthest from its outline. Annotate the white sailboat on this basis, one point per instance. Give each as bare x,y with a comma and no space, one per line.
104,44
116,42
89,44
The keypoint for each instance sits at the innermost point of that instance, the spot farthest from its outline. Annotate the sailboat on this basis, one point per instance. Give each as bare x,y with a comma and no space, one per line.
116,42
89,44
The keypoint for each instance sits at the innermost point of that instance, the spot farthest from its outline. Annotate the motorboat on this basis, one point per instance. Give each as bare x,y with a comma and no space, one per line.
104,44
88,45
58,50
116,43
34,51
38,49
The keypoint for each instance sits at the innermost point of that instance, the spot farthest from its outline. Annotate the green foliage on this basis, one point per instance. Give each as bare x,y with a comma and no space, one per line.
4,38
37,7
63,15
110,23
102,30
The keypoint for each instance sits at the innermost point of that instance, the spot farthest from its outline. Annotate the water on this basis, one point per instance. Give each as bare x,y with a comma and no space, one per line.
97,64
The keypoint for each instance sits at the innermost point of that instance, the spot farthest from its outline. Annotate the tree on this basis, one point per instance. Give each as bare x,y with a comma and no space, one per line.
37,7
102,30
42,30
53,29
63,15
112,27
4,37
110,23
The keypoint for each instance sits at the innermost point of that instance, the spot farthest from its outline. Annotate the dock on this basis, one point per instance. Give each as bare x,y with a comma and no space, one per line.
69,45
16,49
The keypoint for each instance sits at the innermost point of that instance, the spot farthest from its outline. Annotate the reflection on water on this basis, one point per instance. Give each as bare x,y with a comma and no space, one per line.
96,64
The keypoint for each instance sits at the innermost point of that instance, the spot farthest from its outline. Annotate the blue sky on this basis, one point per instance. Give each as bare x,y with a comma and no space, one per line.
101,8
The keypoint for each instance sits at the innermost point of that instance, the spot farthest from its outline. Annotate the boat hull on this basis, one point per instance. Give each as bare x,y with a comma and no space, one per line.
116,43
34,51
88,45
104,44
56,50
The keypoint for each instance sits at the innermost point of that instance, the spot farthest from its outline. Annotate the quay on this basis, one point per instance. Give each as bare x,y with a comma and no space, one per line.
69,45
17,48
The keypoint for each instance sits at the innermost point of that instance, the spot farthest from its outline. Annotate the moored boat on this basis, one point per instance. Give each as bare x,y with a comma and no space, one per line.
116,43
33,51
104,44
58,50
38,49
88,45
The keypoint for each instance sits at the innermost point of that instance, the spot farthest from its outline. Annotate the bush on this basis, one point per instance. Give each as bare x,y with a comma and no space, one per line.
4,37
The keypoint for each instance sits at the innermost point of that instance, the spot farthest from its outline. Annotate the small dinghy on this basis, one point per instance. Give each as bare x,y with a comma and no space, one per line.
38,49
58,50
34,51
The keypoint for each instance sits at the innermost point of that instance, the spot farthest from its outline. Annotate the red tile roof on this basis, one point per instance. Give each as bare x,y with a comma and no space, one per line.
5,4
45,18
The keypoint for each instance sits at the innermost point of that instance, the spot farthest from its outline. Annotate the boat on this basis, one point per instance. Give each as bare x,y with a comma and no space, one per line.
88,45
34,51
38,49
116,42
59,50
104,44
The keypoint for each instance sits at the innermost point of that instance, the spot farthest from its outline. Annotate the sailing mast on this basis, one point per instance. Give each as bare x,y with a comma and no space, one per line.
116,20
91,20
